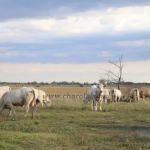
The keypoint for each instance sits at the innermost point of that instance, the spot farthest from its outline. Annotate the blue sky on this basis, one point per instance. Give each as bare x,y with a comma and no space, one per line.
82,33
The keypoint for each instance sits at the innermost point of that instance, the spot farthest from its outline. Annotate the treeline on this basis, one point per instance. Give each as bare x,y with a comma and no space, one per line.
72,83
86,83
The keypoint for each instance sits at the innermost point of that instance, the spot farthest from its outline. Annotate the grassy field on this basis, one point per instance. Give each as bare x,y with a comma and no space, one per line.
70,125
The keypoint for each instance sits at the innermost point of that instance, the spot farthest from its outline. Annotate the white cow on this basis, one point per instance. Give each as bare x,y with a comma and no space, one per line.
21,97
4,89
134,94
43,98
106,95
116,95
95,95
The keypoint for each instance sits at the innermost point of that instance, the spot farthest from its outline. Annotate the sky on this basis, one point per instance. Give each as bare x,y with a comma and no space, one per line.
55,40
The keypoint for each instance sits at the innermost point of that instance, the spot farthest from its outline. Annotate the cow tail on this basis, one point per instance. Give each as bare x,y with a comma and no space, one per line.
33,103
35,97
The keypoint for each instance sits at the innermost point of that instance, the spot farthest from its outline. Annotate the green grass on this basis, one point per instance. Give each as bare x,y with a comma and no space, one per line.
71,125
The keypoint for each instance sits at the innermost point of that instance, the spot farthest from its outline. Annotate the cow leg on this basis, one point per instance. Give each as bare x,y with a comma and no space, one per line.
12,109
100,103
95,105
26,109
9,114
115,100
138,98
33,108
105,99
1,111
92,104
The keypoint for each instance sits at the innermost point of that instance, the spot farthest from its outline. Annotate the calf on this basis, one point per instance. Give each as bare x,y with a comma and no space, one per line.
147,93
106,95
134,94
142,94
116,95
43,98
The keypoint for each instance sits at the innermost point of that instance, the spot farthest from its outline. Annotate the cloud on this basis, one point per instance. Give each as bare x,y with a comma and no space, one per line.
137,43
60,55
107,19
58,9
79,49
74,32
104,22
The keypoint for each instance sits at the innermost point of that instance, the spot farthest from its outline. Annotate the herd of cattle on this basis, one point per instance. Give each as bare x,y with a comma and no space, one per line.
28,97
98,93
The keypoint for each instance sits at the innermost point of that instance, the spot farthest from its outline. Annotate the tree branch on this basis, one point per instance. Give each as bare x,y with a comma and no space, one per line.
113,76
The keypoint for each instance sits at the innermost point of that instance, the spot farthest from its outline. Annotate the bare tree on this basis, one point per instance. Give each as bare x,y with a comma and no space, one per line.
110,75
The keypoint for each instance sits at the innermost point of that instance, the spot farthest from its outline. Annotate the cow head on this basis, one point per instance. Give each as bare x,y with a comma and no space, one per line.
103,81
86,99
46,101
101,86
